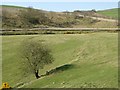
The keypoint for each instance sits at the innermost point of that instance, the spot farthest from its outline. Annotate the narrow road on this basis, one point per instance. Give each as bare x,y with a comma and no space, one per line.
75,29
103,19
62,29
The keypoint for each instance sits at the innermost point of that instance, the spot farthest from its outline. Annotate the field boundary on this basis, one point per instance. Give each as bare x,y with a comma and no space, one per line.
55,31
82,29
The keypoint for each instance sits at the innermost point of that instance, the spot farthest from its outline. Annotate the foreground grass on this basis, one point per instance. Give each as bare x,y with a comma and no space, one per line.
93,58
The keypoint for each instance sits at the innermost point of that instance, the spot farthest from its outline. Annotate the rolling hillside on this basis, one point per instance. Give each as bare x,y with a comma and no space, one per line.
113,13
23,17
84,60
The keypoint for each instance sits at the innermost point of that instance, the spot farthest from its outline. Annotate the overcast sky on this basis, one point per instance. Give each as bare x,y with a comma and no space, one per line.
66,6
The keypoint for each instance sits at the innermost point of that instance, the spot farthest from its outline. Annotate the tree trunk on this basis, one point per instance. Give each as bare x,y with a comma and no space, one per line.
36,74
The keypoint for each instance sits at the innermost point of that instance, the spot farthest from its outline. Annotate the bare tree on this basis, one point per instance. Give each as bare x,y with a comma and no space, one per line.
35,55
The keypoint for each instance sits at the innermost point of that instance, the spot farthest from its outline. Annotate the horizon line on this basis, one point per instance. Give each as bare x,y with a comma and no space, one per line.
58,11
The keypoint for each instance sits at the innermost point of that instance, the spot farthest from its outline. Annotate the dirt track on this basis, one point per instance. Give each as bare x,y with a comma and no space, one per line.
103,19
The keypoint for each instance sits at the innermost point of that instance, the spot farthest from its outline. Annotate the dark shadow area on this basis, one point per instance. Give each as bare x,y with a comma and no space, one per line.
59,69
52,71
119,44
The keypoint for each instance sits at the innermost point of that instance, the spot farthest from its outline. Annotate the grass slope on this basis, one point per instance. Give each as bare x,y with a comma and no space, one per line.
13,10
93,58
10,6
113,13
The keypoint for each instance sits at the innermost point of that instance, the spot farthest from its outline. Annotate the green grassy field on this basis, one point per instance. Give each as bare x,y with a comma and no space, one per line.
113,13
92,60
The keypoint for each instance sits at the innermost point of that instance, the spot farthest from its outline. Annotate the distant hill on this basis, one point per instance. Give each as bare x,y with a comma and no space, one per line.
113,13
12,9
10,6
27,17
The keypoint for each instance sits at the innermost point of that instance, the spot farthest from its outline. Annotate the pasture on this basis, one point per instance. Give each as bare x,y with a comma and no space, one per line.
91,60
113,13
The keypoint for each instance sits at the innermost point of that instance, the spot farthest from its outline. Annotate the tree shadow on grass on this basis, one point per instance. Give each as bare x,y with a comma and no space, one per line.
52,71
59,69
